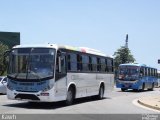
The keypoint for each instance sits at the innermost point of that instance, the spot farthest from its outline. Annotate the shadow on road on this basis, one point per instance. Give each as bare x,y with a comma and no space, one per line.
135,91
50,105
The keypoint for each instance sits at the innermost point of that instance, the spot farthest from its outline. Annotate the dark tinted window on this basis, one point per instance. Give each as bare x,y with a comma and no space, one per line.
94,64
146,71
79,62
72,61
110,65
90,64
85,62
33,50
103,65
98,64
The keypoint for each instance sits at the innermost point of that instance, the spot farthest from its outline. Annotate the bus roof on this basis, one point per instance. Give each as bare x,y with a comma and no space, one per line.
136,64
78,49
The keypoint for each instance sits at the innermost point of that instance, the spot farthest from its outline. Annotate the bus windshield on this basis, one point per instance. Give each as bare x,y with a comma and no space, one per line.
31,63
129,70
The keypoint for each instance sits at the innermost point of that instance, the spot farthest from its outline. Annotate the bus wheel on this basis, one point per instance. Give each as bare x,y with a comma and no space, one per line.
143,86
101,92
123,89
151,89
70,96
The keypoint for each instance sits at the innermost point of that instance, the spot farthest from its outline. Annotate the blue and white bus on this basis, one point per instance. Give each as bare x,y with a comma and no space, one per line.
136,77
52,72
158,75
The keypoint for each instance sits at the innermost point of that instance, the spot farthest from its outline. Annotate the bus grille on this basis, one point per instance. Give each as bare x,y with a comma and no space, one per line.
27,96
25,91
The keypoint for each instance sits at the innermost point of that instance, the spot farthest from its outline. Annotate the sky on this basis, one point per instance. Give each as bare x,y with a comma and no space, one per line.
98,24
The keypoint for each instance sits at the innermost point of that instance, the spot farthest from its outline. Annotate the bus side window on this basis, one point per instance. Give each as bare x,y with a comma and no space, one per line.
149,72
68,62
109,65
90,64
112,65
79,62
63,64
146,72
57,63
85,63
141,72
106,69
98,65
103,65
94,64
73,62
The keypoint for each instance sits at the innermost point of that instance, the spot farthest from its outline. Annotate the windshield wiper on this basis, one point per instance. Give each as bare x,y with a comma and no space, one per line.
16,75
31,72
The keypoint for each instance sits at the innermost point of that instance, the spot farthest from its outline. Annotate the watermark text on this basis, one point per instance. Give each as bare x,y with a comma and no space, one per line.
149,117
8,117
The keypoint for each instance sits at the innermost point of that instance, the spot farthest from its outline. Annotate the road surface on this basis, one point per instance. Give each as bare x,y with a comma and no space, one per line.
116,102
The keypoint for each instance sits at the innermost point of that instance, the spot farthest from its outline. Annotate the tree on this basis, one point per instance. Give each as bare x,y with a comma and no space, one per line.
123,55
3,48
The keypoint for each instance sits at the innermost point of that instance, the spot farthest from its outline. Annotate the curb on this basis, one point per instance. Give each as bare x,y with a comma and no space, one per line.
147,105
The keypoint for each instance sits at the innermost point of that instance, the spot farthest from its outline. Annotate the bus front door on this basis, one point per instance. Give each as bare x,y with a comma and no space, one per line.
61,77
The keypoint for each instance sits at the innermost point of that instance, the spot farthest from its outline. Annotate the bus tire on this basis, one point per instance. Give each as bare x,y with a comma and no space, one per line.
70,96
143,86
123,89
151,89
101,92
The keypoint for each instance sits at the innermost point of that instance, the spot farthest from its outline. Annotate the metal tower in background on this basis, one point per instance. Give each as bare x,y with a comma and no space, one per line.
126,45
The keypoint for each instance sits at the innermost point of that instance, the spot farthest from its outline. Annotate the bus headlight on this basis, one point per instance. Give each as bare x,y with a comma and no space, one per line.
121,77
48,87
9,87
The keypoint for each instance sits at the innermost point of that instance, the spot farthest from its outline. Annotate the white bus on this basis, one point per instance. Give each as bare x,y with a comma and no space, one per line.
51,73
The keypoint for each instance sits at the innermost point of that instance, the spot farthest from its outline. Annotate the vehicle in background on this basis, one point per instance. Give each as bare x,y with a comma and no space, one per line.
3,84
136,77
54,73
158,75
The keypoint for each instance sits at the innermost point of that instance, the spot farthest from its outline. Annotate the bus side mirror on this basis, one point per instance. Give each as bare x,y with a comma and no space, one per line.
7,52
3,82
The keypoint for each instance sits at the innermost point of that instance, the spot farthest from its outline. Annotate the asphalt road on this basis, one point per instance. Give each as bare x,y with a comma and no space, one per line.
116,102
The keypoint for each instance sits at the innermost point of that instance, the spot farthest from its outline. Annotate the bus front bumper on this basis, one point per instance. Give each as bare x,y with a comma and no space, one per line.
128,84
31,96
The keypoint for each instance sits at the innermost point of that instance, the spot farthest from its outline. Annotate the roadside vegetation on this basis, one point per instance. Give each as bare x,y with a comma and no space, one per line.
3,67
